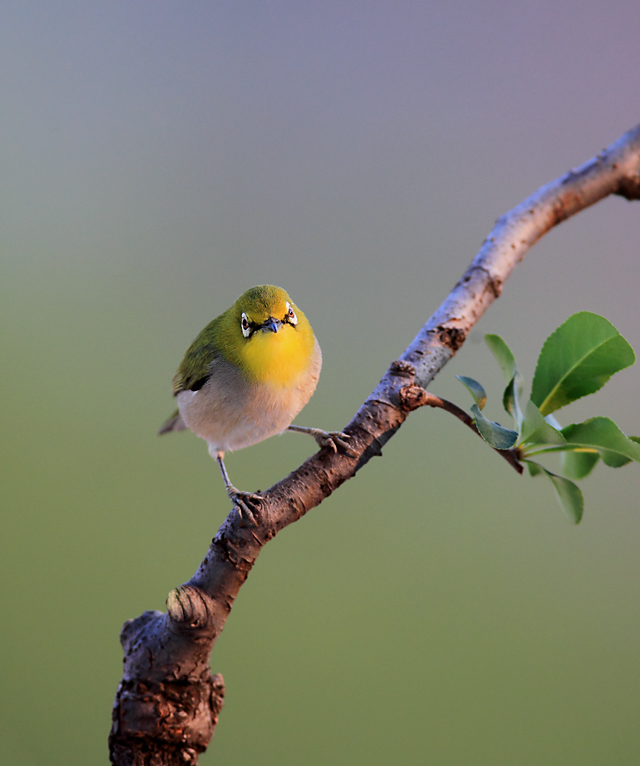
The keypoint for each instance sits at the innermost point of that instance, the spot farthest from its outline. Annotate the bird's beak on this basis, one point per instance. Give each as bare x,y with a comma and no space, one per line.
272,324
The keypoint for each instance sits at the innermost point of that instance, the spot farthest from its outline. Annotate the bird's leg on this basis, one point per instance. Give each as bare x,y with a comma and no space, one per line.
237,496
332,440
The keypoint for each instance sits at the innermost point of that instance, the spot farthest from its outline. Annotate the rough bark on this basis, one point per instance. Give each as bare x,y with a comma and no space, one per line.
167,704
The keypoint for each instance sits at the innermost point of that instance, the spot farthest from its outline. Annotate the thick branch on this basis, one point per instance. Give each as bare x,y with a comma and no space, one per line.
167,704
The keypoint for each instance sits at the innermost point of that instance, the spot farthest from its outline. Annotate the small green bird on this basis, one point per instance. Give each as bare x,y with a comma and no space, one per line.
246,376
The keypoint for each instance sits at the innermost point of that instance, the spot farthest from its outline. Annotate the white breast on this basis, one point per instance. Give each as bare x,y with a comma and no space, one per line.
230,413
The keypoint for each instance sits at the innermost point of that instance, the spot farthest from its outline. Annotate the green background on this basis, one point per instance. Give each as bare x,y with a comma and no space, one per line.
158,158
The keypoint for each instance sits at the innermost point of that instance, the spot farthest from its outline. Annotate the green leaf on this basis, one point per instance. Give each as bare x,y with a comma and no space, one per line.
568,494
535,469
477,391
503,356
536,430
603,434
577,359
513,392
511,398
579,463
493,433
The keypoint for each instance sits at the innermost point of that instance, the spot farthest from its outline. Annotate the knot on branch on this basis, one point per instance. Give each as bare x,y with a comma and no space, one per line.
189,607
452,337
412,397
402,369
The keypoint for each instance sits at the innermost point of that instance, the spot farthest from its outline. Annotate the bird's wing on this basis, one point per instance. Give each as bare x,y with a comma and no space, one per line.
195,368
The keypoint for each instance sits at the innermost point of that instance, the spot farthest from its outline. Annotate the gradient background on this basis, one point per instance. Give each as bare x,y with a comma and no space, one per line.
158,158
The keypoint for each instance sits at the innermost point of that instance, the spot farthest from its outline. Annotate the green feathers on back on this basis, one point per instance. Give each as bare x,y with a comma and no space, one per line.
194,368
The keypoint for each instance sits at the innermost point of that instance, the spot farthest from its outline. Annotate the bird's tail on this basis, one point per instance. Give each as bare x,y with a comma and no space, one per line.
174,423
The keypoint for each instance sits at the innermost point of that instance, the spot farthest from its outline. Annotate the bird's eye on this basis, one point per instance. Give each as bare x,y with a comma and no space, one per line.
291,315
245,325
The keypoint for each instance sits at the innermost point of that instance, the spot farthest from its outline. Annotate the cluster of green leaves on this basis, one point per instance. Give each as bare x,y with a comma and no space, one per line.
577,359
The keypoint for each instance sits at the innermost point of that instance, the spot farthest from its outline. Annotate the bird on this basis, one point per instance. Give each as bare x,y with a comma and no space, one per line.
245,378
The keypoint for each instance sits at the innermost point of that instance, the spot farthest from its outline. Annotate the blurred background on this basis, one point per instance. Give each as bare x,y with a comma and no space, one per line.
158,158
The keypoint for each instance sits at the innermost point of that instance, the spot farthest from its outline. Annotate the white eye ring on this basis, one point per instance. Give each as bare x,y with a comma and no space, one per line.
245,325
291,315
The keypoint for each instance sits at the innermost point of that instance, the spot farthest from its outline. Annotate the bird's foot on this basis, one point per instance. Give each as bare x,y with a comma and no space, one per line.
336,441
247,504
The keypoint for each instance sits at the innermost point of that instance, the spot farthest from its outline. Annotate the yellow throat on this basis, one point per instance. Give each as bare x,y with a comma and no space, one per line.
278,358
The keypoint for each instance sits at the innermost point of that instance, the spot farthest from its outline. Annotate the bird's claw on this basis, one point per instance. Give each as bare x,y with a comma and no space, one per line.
336,441
245,511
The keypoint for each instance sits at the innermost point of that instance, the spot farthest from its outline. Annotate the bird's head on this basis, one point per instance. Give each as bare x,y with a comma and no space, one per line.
267,336
264,309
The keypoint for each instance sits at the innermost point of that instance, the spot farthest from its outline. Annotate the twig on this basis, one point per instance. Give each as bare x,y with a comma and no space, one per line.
415,396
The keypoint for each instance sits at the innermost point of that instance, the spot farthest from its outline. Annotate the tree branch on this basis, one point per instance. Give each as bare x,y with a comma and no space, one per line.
167,704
